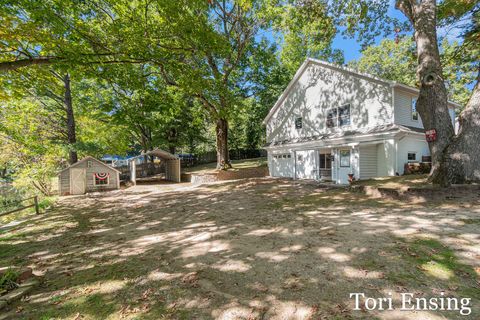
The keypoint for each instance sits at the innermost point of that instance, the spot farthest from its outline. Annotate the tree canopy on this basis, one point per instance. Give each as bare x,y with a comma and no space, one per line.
117,76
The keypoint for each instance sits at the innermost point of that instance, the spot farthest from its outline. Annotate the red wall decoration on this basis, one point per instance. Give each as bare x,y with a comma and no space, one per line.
431,135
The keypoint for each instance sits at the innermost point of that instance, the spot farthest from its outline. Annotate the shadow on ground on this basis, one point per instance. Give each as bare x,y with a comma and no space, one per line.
251,249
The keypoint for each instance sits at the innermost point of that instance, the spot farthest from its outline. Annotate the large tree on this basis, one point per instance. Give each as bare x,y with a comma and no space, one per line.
455,158
395,59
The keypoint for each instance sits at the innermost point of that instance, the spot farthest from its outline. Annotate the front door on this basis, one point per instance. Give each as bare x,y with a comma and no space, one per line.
77,181
344,165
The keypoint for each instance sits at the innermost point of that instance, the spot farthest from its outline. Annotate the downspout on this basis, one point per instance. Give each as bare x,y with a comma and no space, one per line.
393,103
294,165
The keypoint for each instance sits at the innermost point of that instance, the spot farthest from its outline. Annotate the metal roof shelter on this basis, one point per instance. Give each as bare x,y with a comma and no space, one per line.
172,165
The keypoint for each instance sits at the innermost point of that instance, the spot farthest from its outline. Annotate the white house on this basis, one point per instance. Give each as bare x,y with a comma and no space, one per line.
332,121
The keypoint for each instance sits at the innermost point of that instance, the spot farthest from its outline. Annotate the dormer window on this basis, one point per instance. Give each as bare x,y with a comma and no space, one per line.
298,123
414,110
338,117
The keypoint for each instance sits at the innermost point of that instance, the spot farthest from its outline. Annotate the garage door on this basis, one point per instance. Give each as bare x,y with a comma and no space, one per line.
282,165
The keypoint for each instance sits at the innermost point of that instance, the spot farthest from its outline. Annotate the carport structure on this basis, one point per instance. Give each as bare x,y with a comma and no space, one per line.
172,165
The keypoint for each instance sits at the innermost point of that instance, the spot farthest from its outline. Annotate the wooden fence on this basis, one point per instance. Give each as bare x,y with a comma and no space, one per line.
149,169
142,170
211,156
35,204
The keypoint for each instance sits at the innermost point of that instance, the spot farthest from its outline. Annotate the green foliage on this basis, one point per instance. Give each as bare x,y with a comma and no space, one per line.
304,29
397,61
389,60
8,280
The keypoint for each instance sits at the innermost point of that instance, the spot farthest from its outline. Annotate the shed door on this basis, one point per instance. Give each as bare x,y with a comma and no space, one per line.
77,180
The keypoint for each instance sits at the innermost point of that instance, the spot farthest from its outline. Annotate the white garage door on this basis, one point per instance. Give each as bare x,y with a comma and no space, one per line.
282,165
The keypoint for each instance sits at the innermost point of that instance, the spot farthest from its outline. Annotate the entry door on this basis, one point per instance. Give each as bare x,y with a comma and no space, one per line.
325,166
306,165
344,164
77,180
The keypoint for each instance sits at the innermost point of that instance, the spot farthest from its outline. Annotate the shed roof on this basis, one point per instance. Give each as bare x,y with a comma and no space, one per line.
85,159
160,154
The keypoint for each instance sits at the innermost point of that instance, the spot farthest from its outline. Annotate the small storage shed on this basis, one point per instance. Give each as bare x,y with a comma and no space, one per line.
88,175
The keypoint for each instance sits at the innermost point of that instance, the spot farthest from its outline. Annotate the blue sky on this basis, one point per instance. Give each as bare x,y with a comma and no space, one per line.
351,48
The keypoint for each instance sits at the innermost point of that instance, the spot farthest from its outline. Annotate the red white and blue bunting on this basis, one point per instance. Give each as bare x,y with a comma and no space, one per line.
102,175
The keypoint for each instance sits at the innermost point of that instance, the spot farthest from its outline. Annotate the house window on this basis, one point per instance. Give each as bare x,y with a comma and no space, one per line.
89,164
101,178
412,156
344,158
338,116
414,110
332,118
298,123
344,115
325,161
300,158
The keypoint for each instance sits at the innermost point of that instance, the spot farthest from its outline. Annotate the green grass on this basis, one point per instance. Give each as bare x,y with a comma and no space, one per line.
430,261
407,181
8,280
236,164
44,204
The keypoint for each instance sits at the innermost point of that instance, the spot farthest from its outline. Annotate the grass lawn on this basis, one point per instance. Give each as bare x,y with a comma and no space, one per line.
401,182
246,249
236,165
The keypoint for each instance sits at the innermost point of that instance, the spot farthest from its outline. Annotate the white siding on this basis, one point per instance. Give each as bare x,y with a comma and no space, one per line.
321,88
368,161
403,110
408,144
452,115
306,164
386,158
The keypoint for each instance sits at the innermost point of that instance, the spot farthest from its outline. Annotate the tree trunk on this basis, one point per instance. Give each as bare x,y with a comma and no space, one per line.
71,133
432,103
172,138
463,156
223,159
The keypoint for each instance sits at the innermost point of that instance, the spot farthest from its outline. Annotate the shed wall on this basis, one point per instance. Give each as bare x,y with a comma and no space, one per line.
95,167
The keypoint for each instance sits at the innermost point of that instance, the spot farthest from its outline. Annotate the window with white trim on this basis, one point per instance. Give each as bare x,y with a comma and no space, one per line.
414,110
412,156
338,117
345,158
101,179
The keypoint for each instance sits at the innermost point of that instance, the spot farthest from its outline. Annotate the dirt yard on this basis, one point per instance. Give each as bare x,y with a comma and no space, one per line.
252,249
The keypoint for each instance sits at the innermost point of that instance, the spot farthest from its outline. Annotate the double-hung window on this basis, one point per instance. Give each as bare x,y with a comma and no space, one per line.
338,117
